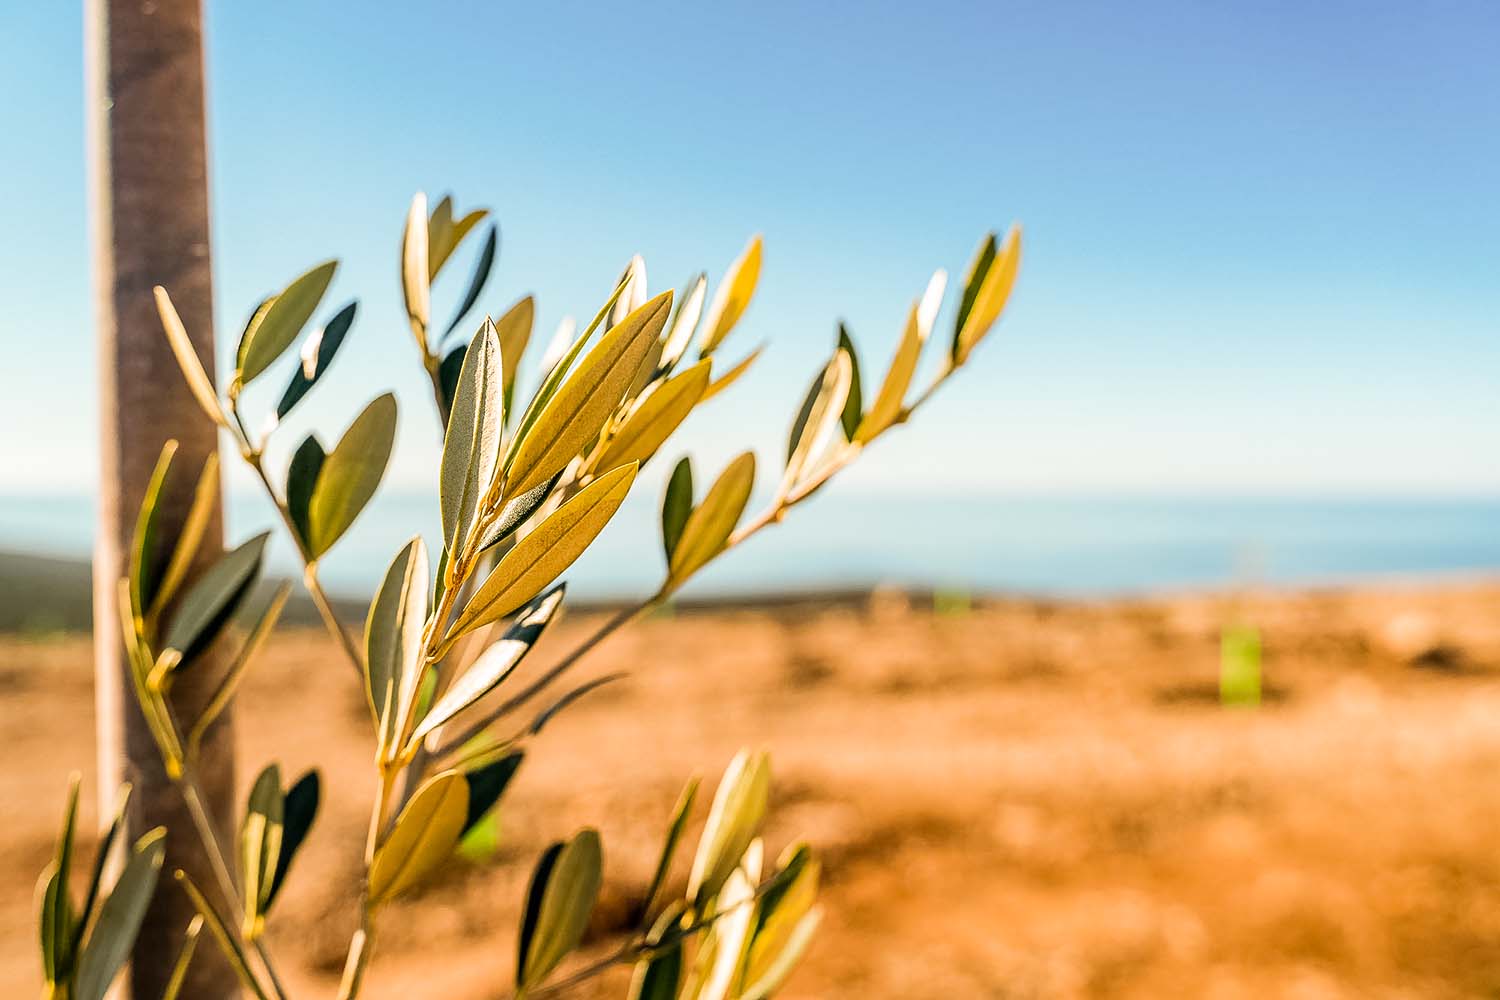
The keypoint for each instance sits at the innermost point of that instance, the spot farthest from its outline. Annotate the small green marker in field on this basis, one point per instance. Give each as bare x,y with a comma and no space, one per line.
1239,667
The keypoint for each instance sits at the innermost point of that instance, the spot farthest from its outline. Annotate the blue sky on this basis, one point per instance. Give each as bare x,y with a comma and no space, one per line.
1262,240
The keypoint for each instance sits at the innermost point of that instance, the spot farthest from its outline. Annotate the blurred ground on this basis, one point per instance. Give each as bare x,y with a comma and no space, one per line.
1030,800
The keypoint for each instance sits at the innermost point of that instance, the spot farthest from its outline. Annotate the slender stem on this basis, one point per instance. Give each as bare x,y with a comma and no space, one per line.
361,944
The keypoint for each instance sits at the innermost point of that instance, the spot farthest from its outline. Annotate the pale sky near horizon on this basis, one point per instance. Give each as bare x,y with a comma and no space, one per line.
1262,240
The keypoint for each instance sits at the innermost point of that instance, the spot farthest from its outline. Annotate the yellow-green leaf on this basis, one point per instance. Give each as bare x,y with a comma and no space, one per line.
733,822
654,417
782,909
732,376
853,409
777,969
514,331
260,847
821,412
684,323
416,285
989,297
204,505
284,320
201,386
891,398
144,570
424,836
732,297
676,505
709,526
471,445
582,404
348,477
120,918
213,598
633,278
541,556
393,641
562,895
675,827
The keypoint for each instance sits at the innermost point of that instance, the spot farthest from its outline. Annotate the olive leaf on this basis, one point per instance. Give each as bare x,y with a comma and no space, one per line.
487,782
393,642
853,401
471,445
228,942
776,970
481,275
301,480
194,527
492,665
654,417
563,890
730,933
633,279
201,386
101,860
987,288
684,323
822,410
734,820
659,976
780,915
676,505
541,556
709,526
350,474
144,568
449,369
416,282
56,920
891,399
582,404
732,376
282,321
210,601
732,297
299,809
260,847
515,512
424,835
675,827
317,354
514,331
120,917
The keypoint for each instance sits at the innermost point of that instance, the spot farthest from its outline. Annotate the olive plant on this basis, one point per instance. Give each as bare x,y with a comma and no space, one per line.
523,489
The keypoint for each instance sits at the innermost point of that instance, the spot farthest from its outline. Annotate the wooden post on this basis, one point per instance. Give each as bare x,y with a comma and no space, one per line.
148,169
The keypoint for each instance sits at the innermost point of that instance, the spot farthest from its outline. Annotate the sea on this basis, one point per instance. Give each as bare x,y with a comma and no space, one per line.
1079,546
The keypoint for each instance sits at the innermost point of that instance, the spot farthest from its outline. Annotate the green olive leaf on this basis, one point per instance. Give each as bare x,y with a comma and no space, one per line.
199,383
563,891
734,821
708,527
675,827
891,399
732,297
478,280
393,642
543,554
424,836
299,809
301,482
487,783
213,598
853,410
990,292
350,474
822,410
471,445
283,320
654,417
684,324
260,847
120,918
317,354
676,505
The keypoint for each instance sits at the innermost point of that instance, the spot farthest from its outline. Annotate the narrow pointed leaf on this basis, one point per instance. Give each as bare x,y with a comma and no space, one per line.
299,809
709,526
101,861
471,446
732,297
449,370
778,969
563,904
201,386
416,285
302,481
979,267
891,399
317,354
546,551
990,299
655,417
781,908
351,473
732,376
733,822
120,918
224,692
210,601
229,943
439,228
487,783
52,901
62,916
194,526
660,976
148,564
854,400
423,837
260,846
678,823
248,333
582,404
492,665
676,505
731,931
821,412
478,280
514,331
515,512
633,278
180,968
393,640
684,323
284,320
